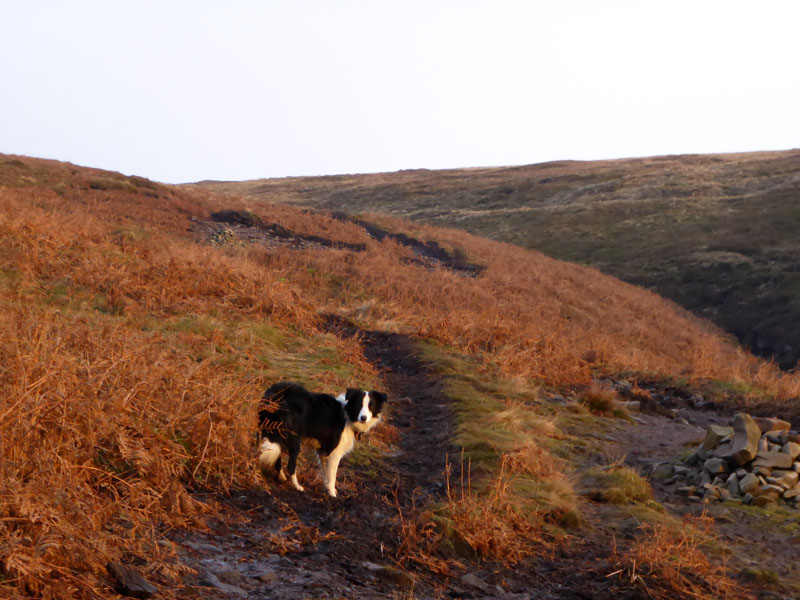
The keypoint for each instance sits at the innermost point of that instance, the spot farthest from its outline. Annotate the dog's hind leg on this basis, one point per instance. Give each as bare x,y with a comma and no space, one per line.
279,474
323,467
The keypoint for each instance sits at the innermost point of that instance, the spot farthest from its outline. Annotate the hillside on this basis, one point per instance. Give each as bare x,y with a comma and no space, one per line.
140,323
714,233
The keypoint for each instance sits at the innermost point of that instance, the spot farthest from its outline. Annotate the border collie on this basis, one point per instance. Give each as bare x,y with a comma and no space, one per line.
332,422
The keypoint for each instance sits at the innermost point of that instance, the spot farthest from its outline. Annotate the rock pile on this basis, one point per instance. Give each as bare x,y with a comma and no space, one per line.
755,460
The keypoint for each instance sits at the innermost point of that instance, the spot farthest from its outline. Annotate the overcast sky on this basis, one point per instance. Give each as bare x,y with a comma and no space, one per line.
187,90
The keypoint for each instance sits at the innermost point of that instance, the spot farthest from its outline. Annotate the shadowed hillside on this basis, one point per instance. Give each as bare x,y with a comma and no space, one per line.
715,233
139,324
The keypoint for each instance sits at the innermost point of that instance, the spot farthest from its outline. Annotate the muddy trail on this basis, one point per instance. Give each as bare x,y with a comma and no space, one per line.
285,544
367,543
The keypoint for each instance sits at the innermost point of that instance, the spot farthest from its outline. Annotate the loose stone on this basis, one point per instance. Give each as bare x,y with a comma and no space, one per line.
746,435
766,424
784,478
773,460
792,449
749,483
715,465
715,434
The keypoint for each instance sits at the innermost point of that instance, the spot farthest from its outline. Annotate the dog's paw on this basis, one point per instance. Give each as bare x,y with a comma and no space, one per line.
296,484
332,492
281,476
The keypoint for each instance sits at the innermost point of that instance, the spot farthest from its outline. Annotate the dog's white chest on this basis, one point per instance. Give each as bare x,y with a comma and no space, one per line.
346,442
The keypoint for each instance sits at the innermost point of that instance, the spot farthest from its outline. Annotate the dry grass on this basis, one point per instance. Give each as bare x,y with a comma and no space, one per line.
132,361
599,398
495,522
667,561
616,484
132,358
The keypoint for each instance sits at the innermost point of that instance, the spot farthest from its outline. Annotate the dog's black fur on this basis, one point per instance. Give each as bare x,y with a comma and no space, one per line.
332,422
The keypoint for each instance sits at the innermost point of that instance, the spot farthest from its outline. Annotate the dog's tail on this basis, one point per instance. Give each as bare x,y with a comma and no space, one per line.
268,454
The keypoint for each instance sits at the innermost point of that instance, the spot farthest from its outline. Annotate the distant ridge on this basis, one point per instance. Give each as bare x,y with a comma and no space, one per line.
717,233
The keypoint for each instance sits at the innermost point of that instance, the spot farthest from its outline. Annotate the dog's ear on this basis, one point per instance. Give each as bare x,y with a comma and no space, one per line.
379,396
350,393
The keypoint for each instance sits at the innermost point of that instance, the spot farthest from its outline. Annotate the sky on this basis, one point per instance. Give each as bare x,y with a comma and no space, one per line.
181,91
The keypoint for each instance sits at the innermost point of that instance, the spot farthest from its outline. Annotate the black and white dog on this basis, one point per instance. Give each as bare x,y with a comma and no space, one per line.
332,422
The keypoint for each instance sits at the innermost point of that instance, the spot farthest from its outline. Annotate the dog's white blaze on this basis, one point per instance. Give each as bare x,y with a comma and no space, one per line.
370,421
365,415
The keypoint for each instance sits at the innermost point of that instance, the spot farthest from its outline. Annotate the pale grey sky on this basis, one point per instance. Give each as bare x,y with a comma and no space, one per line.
186,90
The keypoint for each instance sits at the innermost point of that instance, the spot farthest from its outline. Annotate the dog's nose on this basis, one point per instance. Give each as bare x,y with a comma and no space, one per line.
363,418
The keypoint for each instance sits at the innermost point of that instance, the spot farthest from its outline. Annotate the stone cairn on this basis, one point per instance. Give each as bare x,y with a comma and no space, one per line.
755,461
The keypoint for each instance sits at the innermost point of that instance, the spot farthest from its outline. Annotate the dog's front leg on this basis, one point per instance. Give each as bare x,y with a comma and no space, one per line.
332,466
294,450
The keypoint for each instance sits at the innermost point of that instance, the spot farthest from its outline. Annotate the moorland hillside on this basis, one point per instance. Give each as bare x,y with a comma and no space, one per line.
715,233
140,323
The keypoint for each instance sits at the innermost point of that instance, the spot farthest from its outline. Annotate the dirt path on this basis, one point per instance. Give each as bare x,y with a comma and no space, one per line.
289,545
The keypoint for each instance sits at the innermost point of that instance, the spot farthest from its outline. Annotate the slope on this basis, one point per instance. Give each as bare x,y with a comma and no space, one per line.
715,233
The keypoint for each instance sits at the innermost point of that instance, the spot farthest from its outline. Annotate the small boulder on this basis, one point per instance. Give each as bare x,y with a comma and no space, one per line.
732,485
792,449
746,435
129,582
715,466
692,459
724,450
715,435
771,490
662,472
792,493
711,493
773,460
473,580
762,472
766,424
776,437
749,483
784,478
211,580
764,500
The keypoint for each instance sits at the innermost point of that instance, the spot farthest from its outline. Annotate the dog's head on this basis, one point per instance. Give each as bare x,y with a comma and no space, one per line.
363,408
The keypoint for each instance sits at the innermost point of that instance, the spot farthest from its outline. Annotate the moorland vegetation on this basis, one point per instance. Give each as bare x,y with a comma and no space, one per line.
134,351
715,233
